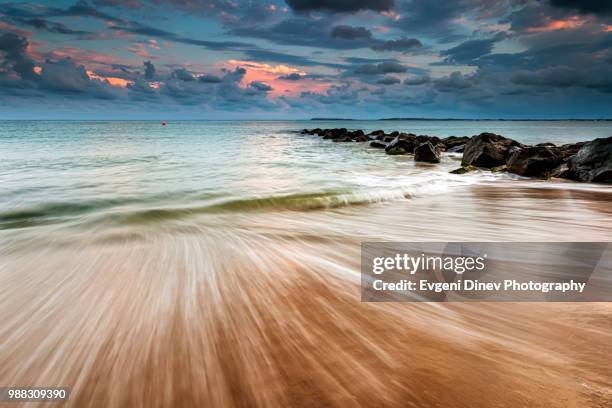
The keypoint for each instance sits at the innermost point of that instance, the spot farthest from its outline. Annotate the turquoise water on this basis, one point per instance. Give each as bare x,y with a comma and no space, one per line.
123,172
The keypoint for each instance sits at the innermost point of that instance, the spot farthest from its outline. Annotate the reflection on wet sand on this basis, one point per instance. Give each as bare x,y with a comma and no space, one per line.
262,309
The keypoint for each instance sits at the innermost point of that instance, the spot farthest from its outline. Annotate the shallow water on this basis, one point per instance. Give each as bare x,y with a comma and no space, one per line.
217,264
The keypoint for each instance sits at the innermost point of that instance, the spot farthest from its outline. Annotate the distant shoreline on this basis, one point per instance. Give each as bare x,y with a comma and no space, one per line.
470,120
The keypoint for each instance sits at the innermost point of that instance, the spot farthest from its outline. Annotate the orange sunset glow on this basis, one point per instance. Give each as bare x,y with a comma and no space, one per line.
270,74
553,25
114,81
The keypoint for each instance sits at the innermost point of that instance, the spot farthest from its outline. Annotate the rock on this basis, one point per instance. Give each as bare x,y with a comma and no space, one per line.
454,141
535,161
546,145
388,138
424,138
334,133
401,146
378,144
345,138
593,162
499,169
463,170
361,138
456,149
561,171
570,149
377,133
394,133
488,150
426,152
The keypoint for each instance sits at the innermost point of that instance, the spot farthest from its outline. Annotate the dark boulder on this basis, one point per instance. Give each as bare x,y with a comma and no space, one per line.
378,144
434,140
360,138
388,138
377,133
568,150
593,162
488,150
426,152
535,161
456,149
401,146
334,133
454,141
561,171
345,138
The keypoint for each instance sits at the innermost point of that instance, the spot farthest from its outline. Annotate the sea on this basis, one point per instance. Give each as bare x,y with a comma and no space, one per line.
216,263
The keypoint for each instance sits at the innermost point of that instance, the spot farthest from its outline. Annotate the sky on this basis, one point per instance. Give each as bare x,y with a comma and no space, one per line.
295,59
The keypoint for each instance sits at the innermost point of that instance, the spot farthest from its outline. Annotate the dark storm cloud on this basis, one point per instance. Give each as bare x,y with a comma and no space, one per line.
14,56
42,24
149,31
260,86
382,68
306,32
401,44
209,79
440,19
563,77
149,70
417,80
469,51
388,80
183,74
346,32
61,77
453,82
35,17
294,76
585,6
360,60
322,34
66,77
340,6
80,9
553,76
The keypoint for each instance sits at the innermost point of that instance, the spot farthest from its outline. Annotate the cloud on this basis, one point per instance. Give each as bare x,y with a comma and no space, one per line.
53,27
468,51
340,6
260,86
314,33
401,44
417,80
294,76
585,6
382,68
346,32
14,47
388,80
209,79
183,75
149,70
455,81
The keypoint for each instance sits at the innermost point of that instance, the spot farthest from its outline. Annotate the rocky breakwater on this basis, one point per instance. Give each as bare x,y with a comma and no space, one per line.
584,161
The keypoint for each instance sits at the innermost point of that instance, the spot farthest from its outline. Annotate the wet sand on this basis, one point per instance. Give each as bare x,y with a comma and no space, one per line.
262,309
